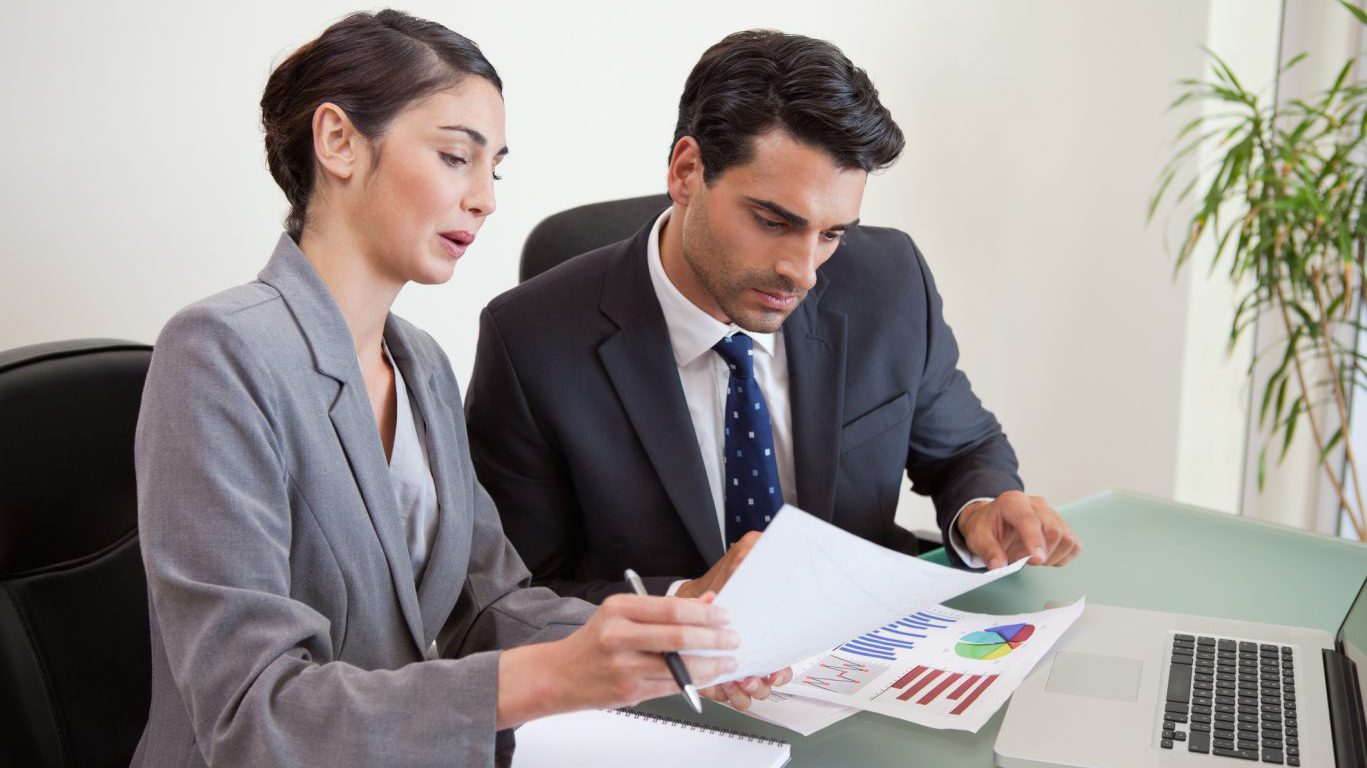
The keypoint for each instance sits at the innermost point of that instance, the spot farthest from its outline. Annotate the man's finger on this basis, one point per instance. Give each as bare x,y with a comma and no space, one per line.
1027,525
781,677
737,696
984,544
1067,550
756,687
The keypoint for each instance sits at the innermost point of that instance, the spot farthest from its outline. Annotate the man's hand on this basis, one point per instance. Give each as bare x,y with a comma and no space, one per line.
740,693
718,574
1013,526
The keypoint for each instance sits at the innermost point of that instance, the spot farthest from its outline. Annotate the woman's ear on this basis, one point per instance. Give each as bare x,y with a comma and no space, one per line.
337,145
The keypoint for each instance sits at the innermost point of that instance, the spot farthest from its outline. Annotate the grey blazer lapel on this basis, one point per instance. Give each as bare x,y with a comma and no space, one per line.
443,578
814,338
640,362
334,354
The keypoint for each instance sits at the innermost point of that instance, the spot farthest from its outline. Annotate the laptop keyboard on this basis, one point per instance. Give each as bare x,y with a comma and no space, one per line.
1232,698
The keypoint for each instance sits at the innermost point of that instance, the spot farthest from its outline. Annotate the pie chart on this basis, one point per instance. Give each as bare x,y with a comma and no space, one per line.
993,642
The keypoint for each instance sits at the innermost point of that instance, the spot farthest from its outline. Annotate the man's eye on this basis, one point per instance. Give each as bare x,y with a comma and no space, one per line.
451,160
833,237
771,224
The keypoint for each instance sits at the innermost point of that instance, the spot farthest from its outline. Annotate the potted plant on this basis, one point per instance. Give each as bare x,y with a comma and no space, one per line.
1284,208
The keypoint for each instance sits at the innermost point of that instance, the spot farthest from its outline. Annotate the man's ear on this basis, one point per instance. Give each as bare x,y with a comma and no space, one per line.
685,170
336,142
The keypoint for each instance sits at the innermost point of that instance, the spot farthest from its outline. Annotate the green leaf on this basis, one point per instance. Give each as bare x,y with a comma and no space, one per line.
1333,441
1292,420
1356,11
1298,58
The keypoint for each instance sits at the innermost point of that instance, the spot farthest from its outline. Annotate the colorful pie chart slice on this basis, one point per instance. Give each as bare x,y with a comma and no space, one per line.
993,642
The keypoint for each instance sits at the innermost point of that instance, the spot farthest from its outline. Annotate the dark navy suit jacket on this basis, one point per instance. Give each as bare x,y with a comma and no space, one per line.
580,431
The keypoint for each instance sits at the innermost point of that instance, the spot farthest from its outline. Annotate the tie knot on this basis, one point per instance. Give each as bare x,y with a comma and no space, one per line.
738,351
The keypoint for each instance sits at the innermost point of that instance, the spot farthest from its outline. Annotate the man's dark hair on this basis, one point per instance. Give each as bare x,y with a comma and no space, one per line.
757,80
372,65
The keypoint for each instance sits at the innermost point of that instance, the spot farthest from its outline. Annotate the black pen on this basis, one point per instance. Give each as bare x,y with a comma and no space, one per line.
672,660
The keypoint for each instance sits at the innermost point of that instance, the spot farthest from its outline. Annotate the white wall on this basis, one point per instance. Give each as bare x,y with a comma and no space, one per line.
135,181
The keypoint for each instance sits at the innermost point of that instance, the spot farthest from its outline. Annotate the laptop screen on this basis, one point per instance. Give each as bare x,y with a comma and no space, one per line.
1353,637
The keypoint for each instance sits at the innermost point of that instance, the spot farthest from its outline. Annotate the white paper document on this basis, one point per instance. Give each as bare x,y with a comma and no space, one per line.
797,713
808,586
938,667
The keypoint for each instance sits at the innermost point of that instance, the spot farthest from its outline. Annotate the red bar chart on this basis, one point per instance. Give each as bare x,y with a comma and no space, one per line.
924,685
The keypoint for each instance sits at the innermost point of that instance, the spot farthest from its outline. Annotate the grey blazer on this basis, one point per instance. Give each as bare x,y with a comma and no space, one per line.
286,626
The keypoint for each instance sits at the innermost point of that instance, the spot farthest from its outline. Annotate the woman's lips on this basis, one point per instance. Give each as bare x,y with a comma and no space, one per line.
456,242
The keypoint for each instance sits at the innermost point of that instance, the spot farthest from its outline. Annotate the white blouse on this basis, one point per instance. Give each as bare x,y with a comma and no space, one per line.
410,474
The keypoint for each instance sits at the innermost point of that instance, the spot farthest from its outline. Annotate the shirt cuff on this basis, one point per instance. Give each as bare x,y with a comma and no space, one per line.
956,539
674,588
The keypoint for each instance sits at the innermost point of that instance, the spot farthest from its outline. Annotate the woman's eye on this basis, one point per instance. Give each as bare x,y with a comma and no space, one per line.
451,159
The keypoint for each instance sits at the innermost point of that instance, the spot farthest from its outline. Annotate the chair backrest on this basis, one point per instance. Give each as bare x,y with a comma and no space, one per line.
564,235
75,662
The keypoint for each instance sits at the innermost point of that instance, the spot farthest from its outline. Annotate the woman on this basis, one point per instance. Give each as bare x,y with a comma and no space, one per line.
310,521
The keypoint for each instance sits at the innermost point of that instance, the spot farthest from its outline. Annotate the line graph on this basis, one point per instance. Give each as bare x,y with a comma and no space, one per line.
841,675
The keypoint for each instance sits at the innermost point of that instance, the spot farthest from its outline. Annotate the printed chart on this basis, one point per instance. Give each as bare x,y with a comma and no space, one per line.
993,642
938,667
885,642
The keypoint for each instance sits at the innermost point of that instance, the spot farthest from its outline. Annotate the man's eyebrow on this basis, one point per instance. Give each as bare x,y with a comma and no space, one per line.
478,137
793,218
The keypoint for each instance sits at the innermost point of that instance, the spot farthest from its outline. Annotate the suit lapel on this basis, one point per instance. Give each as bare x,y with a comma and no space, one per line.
334,355
449,555
640,362
814,338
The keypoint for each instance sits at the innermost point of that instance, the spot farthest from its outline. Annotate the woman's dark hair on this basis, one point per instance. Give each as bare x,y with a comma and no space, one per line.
371,65
758,80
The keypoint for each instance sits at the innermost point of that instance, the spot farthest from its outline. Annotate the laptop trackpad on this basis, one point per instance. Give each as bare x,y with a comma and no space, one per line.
1101,677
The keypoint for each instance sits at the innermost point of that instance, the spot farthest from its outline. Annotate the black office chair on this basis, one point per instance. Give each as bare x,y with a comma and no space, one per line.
75,664
569,233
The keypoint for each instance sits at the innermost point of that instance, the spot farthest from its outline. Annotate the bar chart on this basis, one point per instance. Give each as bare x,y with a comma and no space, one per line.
938,667
886,642
925,685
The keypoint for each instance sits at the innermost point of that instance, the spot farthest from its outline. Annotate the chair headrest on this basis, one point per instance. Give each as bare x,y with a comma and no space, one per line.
68,411
562,236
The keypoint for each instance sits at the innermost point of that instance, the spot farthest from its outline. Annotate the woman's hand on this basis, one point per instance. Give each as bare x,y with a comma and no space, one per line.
615,659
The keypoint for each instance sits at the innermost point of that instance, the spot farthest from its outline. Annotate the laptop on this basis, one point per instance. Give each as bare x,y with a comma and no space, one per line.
1128,688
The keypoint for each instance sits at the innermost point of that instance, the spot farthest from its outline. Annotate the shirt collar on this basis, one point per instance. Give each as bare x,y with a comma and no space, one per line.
692,332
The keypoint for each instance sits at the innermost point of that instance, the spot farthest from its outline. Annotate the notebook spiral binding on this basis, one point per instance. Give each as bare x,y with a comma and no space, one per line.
687,725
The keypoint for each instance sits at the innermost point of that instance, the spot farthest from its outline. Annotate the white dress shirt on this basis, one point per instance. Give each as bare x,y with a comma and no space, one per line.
410,473
704,375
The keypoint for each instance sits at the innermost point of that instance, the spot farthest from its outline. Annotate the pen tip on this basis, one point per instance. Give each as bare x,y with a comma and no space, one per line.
694,699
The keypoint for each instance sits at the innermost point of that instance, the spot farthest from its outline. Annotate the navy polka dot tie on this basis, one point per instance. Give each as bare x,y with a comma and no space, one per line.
749,468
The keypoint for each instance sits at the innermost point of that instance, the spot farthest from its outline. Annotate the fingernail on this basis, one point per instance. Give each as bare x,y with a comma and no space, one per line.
722,614
1041,554
749,685
730,640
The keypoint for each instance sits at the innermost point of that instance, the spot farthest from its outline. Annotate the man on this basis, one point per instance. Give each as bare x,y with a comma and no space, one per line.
651,403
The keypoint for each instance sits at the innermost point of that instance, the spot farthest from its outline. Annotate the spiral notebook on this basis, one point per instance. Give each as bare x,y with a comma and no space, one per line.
623,737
